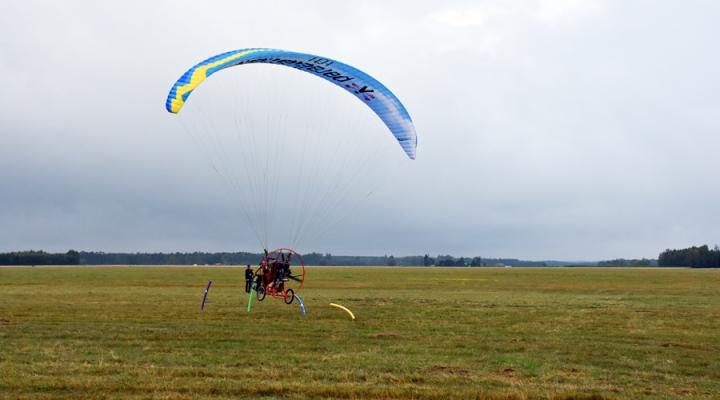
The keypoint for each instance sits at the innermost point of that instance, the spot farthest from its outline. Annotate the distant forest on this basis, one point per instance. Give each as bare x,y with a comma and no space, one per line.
73,257
621,262
697,257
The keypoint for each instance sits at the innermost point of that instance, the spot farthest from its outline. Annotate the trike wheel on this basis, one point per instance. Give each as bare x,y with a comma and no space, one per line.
289,296
260,293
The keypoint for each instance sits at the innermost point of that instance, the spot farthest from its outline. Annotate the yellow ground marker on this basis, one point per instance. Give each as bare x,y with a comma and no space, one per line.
343,308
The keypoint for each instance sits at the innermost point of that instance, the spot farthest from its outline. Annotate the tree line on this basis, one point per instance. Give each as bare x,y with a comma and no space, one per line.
699,257
696,256
622,262
33,257
72,257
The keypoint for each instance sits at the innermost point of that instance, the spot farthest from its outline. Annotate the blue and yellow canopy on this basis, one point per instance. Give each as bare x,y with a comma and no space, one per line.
383,102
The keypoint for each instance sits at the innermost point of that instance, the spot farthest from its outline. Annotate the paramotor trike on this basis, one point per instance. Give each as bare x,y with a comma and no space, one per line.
281,274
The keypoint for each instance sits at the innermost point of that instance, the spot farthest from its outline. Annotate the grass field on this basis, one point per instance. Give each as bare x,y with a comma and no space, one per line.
550,333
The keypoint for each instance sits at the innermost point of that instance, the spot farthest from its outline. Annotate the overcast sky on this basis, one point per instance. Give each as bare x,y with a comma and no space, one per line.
548,129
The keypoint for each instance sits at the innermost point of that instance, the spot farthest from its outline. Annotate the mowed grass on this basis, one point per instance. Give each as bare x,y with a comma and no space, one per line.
435,333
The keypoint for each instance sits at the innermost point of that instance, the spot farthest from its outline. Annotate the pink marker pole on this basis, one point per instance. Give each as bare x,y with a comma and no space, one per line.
207,290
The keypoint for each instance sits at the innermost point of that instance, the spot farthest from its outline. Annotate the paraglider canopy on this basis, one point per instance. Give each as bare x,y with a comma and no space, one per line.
366,88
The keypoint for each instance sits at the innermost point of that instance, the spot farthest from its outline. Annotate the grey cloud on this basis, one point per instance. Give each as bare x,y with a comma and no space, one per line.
547,129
